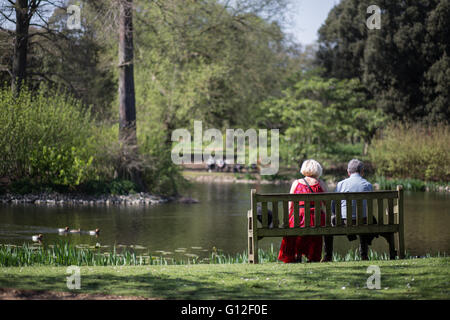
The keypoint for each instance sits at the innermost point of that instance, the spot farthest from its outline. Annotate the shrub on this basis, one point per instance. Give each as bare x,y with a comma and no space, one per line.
412,151
49,141
162,176
43,137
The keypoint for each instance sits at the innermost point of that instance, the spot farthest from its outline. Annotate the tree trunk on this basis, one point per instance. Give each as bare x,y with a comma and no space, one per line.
127,102
19,65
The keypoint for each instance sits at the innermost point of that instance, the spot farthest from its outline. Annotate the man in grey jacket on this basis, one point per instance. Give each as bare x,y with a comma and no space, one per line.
354,183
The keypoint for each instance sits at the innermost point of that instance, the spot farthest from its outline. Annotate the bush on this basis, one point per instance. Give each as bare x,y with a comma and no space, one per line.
412,151
49,142
162,176
43,138
114,187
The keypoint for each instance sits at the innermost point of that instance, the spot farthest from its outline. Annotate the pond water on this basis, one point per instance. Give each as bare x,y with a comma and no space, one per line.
219,220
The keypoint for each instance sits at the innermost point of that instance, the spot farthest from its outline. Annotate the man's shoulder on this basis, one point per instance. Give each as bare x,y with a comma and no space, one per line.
343,181
354,182
340,184
367,185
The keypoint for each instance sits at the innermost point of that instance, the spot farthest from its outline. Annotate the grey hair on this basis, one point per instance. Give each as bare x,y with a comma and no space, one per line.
355,166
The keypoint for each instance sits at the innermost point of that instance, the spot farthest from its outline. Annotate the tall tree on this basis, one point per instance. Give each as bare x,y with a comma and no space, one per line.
127,101
404,64
55,53
23,10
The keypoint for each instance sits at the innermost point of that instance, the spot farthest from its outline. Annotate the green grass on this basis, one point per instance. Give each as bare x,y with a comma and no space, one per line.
400,279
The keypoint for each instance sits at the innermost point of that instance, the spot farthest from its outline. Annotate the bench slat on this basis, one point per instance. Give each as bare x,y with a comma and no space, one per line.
265,216
359,212
338,208
328,213
349,213
326,196
296,214
317,212
380,211
342,230
285,214
390,211
307,214
370,211
275,220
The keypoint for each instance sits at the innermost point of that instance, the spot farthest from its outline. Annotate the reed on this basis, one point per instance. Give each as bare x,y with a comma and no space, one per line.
65,254
410,184
412,150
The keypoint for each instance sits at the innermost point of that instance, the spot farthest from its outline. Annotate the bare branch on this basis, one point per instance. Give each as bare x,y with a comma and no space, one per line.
7,17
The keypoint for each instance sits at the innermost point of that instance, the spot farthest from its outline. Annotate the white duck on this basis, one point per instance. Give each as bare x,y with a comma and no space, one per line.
75,231
94,232
63,230
37,238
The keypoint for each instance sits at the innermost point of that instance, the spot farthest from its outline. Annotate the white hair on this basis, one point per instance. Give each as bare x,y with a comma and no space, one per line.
311,168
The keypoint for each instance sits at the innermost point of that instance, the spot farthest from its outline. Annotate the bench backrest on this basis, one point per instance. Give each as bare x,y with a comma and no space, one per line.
378,199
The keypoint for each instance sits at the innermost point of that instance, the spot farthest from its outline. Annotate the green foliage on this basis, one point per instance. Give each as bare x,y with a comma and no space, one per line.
404,65
61,167
316,114
42,137
202,61
161,175
408,184
114,187
414,151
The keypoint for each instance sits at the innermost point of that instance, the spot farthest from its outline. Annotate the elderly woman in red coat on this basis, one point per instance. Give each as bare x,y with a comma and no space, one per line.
293,247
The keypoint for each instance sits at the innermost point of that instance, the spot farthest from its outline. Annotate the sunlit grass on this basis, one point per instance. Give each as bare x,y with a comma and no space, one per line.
400,279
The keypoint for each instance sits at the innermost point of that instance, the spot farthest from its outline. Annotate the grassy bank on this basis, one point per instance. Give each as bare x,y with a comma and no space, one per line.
400,279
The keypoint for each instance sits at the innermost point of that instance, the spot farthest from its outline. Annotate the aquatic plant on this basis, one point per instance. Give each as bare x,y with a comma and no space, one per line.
65,254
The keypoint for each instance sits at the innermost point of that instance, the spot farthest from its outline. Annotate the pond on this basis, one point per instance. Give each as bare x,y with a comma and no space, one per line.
218,220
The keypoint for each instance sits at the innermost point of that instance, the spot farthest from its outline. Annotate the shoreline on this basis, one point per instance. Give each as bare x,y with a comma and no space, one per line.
221,177
147,199
60,199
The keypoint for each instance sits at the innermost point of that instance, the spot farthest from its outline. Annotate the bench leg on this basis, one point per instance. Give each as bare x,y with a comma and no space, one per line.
392,252
252,250
401,244
390,238
252,241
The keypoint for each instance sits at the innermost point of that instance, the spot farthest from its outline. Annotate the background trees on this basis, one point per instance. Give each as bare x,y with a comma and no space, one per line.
317,114
404,65
227,63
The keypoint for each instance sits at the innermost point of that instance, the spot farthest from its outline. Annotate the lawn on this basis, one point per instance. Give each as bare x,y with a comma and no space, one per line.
427,278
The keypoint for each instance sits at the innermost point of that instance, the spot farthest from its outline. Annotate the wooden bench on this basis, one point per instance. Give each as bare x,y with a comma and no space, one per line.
379,204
